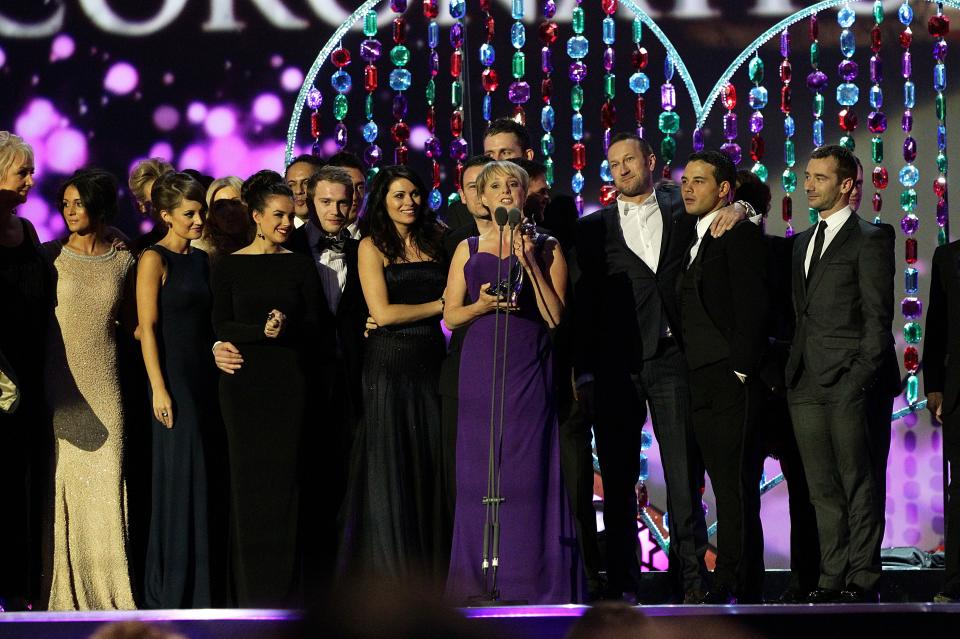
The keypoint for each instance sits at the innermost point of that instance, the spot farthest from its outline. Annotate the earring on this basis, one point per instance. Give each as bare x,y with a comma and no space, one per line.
260,234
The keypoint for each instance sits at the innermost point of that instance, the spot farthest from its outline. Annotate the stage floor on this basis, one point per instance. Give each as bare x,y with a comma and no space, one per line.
536,622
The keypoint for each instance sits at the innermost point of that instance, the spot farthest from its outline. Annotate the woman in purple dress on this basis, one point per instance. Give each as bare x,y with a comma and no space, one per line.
533,561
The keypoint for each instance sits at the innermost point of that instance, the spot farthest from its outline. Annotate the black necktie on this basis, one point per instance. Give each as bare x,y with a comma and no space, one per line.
332,242
817,248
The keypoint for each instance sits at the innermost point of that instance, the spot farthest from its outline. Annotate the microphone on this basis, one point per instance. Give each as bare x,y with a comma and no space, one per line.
513,218
501,217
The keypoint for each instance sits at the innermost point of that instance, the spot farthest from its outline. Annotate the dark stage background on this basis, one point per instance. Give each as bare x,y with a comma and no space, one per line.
211,84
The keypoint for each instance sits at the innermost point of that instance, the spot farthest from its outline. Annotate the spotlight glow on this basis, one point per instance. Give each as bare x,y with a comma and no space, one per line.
66,150
62,47
220,122
37,120
267,108
166,118
162,150
196,113
291,79
121,78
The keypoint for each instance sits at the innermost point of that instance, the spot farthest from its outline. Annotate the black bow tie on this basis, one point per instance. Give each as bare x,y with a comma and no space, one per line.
332,242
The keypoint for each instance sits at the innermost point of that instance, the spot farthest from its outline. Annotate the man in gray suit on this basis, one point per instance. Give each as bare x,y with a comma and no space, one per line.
839,367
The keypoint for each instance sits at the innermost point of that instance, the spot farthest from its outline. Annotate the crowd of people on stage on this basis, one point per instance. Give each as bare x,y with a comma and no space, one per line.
256,396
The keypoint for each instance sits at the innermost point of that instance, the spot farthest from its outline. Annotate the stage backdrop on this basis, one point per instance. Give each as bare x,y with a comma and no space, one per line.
211,85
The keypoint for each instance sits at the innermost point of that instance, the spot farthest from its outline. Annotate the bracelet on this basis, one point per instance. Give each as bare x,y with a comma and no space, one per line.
443,304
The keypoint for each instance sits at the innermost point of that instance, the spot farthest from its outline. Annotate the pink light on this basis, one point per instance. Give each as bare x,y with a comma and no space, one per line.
267,108
193,157
166,118
168,78
121,78
162,150
220,121
56,227
37,211
196,112
229,156
62,47
268,156
66,150
37,120
291,79
276,61
3,57
418,137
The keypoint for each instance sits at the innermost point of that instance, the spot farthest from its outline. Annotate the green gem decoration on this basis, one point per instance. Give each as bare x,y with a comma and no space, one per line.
913,389
912,332
430,92
519,64
610,86
453,198
818,105
942,162
637,30
941,236
669,122
790,153
400,56
761,171
789,181
756,70
941,103
340,106
878,11
848,143
812,215
876,150
908,200
368,106
372,173
370,24
668,149
577,20
576,97
548,173
456,94
547,144
815,54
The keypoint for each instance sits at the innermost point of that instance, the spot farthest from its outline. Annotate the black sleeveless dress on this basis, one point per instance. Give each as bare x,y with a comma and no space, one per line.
394,520
177,573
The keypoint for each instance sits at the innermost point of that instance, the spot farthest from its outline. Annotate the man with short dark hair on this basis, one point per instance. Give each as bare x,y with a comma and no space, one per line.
296,175
506,139
723,304
843,271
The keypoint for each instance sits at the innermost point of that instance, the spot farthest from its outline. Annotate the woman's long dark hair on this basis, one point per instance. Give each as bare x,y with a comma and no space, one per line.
375,222
98,192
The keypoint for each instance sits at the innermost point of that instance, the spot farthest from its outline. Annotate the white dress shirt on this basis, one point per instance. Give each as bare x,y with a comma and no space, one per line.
703,225
298,221
354,229
642,228
834,222
332,267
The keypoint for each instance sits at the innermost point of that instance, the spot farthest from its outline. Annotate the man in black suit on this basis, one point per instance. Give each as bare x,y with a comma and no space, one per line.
838,372
628,354
941,382
723,302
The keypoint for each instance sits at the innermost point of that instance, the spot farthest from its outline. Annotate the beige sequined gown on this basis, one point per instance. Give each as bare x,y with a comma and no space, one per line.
90,570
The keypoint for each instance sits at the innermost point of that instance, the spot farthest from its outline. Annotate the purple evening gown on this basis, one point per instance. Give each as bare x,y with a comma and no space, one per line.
535,537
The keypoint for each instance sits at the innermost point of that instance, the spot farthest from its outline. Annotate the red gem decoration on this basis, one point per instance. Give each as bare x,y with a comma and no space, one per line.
940,186
456,63
906,38
814,28
910,250
786,71
484,5
880,177
847,119
786,208
877,202
315,124
876,39
579,153
370,78
729,96
548,33
340,57
939,26
431,118
609,6
400,154
757,148
399,30
608,115
430,9
546,89
608,193
519,115
911,359
639,108
639,58
400,132
436,174
490,28
786,99
489,79
456,123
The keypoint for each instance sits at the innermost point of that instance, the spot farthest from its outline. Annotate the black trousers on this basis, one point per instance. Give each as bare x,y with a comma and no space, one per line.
951,453
621,400
841,453
725,414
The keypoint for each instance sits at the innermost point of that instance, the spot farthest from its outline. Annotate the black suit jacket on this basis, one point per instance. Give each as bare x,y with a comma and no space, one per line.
844,314
730,282
623,307
941,347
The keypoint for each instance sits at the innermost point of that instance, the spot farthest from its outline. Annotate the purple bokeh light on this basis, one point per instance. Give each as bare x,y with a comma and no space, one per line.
193,157
62,47
166,118
291,79
221,121
121,78
418,137
3,57
162,150
66,150
37,120
276,61
228,156
267,108
169,78
196,112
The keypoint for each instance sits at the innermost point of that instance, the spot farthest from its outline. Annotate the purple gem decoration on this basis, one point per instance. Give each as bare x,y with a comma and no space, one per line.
909,149
432,148
877,122
519,92
340,135
698,141
577,71
370,50
817,80
456,35
549,9
876,69
609,59
942,211
756,122
733,151
940,50
906,122
399,106
372,155
314,98
458,149
848,70
910,224
784,43
668,97
398,6
546,60
911,307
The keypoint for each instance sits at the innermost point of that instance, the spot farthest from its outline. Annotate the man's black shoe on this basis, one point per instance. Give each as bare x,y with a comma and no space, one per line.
856,594
718,597
793,595
693,597
824,596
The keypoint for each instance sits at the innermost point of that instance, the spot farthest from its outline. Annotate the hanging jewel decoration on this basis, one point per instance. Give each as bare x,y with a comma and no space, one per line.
519,91
729,98
910,306
341,83
400,80
757,100
640,83
789,177
488,77
848,93
816,82
547,33
608,113
669,121
939,27
877,120
370,50
459,149
577,48
432,147
314,101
